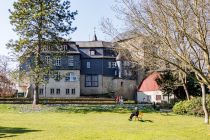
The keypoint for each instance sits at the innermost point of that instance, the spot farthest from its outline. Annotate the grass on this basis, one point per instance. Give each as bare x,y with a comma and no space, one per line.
20,122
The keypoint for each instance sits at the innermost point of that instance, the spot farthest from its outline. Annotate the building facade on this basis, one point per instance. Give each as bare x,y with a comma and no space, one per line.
86,68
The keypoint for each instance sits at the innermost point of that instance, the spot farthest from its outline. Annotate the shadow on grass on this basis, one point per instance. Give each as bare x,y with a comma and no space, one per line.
167,114
13,131
150,121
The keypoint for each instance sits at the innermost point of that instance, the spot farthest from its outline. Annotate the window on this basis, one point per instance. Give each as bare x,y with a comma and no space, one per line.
67,92
57,76
62,48
70,77
158,97
88,81
88,65
109,64
94,80
58,91
70,61
46,78
52,91
148,98
113,64
73,91
91,80
41,91
65,47
92,52
47,59
58,61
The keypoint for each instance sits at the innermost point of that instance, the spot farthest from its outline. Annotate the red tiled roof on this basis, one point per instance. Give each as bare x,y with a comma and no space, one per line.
149,83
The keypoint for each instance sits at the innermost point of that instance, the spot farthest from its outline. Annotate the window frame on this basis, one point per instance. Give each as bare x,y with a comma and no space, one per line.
71,61
109,64
47,59
73,91
71,77
67,93
113,64
41,91
58,61
58,89
92,52
92,82
52,91
88,65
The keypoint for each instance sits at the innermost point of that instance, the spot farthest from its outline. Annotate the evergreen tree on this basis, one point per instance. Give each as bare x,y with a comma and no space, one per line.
39,24
167,82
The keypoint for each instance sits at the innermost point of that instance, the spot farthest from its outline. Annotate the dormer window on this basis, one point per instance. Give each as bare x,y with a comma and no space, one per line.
65,47
92,52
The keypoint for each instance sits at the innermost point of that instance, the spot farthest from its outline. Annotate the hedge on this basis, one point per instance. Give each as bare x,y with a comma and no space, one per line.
191,107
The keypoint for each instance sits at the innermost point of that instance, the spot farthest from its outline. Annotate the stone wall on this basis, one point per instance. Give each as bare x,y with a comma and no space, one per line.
62,85
120,87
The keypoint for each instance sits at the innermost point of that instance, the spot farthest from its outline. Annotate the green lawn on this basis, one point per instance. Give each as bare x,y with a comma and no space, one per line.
86,123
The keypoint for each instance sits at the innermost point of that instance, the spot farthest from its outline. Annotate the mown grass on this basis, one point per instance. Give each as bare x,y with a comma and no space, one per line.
20,122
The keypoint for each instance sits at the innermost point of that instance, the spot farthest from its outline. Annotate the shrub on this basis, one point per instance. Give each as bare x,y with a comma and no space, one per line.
179,108
191,107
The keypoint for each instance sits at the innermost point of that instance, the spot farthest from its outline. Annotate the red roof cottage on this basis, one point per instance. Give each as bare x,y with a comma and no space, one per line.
149,91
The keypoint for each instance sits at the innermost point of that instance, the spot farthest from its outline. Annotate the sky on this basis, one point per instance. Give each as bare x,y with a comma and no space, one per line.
90,14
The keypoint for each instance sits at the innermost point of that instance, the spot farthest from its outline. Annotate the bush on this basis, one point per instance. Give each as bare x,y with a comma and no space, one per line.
191,107
179,108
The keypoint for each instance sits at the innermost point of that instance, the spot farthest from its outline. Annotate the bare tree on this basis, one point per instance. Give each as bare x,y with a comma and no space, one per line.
177,30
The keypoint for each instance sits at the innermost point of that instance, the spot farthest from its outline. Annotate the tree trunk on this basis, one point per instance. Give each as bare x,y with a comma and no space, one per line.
185,89
36,95
206,119
168,98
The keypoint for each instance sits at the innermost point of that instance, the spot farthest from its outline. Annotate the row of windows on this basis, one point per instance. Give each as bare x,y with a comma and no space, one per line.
71,62
58,91
69,77
58,61
110,65
61,48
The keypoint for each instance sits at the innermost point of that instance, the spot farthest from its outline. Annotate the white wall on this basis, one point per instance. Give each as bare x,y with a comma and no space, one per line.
62,85
150,96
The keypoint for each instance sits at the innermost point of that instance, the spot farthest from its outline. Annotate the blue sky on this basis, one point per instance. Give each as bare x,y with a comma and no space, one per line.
90,14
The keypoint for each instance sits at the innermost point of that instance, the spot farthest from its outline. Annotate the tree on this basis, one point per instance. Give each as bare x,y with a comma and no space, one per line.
39,24
4,64
167,82
177,30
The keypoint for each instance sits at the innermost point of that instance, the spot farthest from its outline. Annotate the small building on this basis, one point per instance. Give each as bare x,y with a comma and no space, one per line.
149,91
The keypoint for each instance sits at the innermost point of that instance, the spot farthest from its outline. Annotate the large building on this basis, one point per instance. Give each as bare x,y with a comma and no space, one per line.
87,68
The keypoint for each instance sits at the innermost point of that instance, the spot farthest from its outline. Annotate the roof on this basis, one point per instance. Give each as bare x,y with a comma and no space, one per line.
149,83
93,44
